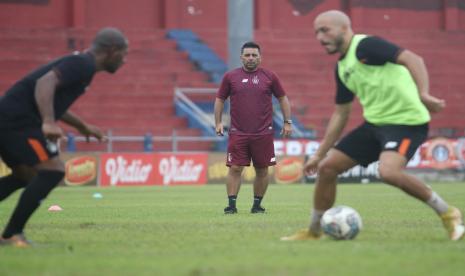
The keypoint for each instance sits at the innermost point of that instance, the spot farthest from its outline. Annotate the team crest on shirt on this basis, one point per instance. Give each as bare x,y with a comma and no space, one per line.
255,80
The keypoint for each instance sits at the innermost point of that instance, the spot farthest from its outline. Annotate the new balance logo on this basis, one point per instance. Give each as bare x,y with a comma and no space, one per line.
390,145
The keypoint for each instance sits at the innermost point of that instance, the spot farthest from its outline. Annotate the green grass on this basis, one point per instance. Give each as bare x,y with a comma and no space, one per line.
182,231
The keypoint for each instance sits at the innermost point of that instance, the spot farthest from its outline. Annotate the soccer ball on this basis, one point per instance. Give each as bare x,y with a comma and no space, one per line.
341,223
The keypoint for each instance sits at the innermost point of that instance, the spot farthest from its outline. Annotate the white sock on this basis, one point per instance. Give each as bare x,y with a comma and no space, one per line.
437,203
315,218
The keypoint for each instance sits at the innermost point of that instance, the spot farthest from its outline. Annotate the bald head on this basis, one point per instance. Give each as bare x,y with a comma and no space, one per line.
333,31
110,48
109,38
334,16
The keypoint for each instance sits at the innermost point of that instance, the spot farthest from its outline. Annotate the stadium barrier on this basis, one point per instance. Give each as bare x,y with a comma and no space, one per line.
438,159
146,141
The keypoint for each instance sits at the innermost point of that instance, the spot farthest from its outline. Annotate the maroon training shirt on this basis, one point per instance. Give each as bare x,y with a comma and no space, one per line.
251,99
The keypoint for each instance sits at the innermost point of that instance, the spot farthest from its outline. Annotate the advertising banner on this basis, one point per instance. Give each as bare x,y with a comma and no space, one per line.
180,169
301,147
433,157
127,169
130,169
439,154
80,169
436,159
289,169
218,171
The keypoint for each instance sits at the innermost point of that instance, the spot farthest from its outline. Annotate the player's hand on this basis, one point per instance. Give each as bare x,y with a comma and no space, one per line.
93,131
219,129
52,131
287,130
433,104
311,166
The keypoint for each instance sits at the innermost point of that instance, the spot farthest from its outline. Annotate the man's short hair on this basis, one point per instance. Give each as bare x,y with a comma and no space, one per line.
250,44
108,38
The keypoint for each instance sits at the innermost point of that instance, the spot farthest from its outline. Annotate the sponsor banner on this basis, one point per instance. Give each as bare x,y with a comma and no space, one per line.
218,171
127,169
180,169
289,169
80,169
438,153
355,174
301,147
460,151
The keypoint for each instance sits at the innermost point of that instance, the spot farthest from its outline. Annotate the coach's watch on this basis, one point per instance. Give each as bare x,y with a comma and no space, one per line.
288,121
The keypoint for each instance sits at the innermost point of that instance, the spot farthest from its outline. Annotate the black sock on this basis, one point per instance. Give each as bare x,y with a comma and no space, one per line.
9,184
36,191
257,200
232,200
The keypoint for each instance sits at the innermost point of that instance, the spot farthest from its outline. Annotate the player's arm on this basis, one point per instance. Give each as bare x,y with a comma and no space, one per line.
218,109
73,120
84,128
44,96
280,94
417,68
221,96
286,110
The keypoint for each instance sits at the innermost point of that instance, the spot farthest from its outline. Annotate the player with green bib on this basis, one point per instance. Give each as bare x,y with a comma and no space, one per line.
392,86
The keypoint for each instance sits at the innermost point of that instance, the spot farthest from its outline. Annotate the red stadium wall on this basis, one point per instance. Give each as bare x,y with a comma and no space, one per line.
196,14
142,14
212,14
36,14
412,14
282,14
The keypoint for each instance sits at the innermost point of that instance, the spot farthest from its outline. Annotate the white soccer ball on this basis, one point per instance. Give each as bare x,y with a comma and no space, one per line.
341,223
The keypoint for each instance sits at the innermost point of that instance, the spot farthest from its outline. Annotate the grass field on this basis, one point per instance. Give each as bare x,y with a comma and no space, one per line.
182,231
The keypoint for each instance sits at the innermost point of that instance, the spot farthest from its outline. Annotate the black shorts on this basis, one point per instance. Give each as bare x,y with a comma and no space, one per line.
25,147
365,143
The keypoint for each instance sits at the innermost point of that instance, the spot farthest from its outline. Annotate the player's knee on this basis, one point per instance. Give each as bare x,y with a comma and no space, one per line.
327,169
388,174
54,164
236,170
24,174
261,172
48,180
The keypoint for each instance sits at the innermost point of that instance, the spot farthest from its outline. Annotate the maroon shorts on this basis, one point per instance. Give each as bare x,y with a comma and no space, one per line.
258,148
